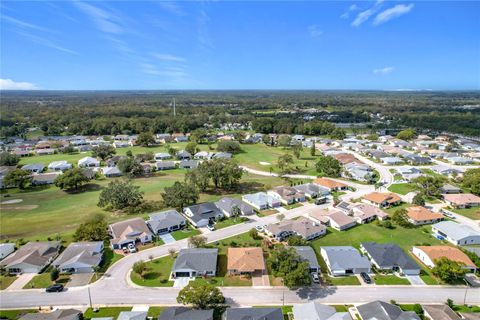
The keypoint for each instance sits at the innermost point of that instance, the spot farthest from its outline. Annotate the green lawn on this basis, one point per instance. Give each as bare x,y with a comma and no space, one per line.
109,258
401,188
390,280
472,213
342,281
105,312
228,222
184,233
157,273
15,314
43,280
222,279
6,281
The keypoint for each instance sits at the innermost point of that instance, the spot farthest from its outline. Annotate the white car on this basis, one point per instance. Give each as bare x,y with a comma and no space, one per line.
210,227
315,278
131,248
259,228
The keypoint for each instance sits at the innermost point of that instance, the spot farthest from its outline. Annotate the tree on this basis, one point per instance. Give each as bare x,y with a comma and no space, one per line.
372,137
312,149
254,234
179,195
17,178
284,140
8,159
418,200
199,177
297,149
191,147
471,179
71,179
54,274
95,228
280,217
328,166
429,185
229,146
284,162
145,139
201,296
197,241
139,268
130,167
296,241
400,217
120,194
338,134
449,271
103,151
287,264
407,134
240,136
69,149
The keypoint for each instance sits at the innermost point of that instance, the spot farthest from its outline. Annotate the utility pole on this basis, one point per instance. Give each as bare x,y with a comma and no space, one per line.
174,111
90,297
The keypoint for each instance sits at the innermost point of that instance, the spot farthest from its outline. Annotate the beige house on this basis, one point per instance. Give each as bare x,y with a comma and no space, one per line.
245,261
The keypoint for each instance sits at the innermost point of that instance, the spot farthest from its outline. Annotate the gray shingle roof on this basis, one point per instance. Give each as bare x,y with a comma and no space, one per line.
379,310
88,253
164,219
34,253
440,312
204,210
307,253
228,204
388,255
253,314
455,230
317,311
60,314
183,313
196,259
345,257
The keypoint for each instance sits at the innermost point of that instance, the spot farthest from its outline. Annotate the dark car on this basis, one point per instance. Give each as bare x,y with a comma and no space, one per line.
366,277
321,200
55,288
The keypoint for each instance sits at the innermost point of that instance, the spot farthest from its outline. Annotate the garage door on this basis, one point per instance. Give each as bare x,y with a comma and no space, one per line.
182,274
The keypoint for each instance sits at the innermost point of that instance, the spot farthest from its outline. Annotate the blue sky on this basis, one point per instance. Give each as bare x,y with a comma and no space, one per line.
240,45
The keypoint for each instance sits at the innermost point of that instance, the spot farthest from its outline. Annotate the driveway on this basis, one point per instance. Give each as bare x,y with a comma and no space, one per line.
415,280
260,280
21,281
281,209
167,238
181,282
79,279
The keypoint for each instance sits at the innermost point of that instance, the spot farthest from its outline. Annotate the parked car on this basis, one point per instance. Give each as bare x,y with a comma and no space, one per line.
315,277
210,227
366,278
54,288
132,248
259,228
321,200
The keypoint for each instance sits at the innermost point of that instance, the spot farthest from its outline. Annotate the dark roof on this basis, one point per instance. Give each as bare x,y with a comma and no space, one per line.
60,314
204,210
228,204
379,310
199,259
165,219
440,312
183,313
253,314
388,255
307,254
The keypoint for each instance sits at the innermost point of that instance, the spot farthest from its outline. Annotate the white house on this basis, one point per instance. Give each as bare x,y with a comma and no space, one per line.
6,249
59,165
456,233
88,162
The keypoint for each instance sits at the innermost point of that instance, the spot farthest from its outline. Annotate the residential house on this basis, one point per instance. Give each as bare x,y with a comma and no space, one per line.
358,171
6,249
314,310
166,221
34,167
261,200
113,161
379,310
129,231
463,200
344,260
456,233
345,158
183,155
390,257
459,160
59,165
59,314
80,257
181,138
162,156
4,170
439,312
203,155
120,144
419,215
330,184
363,213
253,314
449,189
246,261
33,257
391,160
133,315
409,173
45,178
165,165
446,171
188,164
303,227
382,199
184,313
333,218
222,155
88,162
428,255
414,159
111,172
307,254
44,152
231,207
312,190
195,262
287,195
200,215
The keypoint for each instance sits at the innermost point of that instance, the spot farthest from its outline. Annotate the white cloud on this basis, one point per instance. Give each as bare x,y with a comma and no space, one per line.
366,14
172,7
394,12
9,84
346,14
383,71
104,20
314,31
23,24
168,57
46,42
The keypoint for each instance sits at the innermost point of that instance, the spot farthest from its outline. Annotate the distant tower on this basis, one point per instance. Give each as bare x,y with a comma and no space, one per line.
174,111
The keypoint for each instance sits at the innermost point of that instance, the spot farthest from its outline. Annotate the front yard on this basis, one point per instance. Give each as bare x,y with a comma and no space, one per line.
341,281
390,279
185,233
472,213
157,273
6,281
42,280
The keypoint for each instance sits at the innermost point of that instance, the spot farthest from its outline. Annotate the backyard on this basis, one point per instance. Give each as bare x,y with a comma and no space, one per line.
402,188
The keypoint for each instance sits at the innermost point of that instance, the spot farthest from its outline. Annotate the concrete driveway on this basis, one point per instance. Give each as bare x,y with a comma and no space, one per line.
21,281
79,279
181,282
415,280
167,238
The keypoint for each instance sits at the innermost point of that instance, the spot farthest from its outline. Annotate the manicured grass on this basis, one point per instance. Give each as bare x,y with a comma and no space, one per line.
105,312
401,188
109,258
342,281
184,233
228,222
392,209
472,213
340,308
157,274
336,195
428,279
15,314
6,281
224,280
293,206
43,280
467,309
390,280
